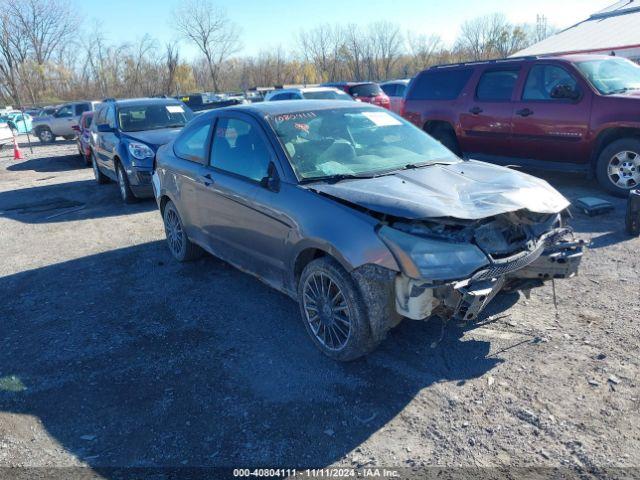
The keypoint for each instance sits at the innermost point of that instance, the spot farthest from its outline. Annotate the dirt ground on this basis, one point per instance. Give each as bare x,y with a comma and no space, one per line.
114,355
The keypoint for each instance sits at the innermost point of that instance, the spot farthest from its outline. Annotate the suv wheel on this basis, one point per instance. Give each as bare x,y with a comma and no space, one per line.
618,167
447,137
181,247
333,311
45,135
123,184
100,177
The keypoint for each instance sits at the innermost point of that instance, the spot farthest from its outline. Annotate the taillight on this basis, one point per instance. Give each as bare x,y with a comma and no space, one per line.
401,110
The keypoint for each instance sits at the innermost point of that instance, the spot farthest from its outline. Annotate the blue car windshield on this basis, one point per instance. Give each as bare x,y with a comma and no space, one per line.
136,118
360,141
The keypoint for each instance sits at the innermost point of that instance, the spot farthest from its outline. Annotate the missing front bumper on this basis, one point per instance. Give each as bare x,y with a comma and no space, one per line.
419,299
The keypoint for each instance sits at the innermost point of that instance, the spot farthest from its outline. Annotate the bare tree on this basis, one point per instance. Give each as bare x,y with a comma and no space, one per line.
479,36
208,27
423,49
172,60
322,46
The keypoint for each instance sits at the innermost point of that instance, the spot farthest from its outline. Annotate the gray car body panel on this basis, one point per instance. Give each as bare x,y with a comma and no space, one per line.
467,190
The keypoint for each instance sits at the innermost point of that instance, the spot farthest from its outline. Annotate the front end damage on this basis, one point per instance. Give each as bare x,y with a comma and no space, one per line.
453,268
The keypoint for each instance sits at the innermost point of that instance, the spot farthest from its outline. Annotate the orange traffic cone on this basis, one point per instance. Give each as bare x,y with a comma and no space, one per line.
17,154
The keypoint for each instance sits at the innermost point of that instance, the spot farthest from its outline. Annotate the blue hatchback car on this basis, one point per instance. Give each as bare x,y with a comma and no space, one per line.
125,137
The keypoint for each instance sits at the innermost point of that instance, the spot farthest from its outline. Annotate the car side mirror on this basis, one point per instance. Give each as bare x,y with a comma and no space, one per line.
564,91
104,128
272,180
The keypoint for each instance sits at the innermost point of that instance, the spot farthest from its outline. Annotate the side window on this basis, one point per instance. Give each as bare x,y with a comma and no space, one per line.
99,116
543,79
193,142
238,148
390,89
110,117
82,107
497,85
63,112
440,84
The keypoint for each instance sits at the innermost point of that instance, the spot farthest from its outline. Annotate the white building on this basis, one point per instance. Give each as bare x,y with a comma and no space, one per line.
614,30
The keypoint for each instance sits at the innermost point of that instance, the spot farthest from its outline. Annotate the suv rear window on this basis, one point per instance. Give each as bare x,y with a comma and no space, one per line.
497,84
366,90
443,84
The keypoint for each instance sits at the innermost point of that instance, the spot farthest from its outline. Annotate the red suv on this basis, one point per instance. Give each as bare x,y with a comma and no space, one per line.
570,112
367,92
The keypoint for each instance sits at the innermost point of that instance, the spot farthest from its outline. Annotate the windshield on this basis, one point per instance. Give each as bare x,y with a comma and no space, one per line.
366,90
613,75
354,141
136,118
326,95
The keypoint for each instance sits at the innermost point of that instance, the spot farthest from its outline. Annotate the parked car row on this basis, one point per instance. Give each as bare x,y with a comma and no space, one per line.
365,216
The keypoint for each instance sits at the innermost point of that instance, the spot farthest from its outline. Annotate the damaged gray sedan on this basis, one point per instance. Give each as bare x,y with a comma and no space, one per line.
358,215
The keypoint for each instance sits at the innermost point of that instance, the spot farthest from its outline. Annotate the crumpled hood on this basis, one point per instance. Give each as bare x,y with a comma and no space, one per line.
154,138
467,190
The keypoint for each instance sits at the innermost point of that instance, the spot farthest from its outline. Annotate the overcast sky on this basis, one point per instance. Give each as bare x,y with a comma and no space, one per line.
269,23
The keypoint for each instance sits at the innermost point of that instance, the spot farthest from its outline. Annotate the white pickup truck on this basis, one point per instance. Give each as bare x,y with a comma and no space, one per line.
61,122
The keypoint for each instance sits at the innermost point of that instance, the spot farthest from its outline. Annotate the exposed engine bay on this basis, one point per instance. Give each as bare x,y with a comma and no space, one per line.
521,251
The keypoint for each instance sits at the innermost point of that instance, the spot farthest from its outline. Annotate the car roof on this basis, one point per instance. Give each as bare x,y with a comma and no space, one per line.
403,81
291,107
305,89
146,101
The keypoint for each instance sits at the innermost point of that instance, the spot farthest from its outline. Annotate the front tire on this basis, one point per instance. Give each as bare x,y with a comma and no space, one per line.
45,135
182,249
333,312
123,185
447,137
618,167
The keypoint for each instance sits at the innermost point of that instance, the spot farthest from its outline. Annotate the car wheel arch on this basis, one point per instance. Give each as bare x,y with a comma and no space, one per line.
609,135
310,252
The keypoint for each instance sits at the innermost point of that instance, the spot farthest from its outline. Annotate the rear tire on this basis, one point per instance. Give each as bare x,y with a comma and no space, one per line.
447,137
618,167
123,185
182,249
333,311
100,177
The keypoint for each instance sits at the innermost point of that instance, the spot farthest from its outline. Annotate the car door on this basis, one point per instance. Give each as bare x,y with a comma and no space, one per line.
235,205
192,176
107,142
486,120
62,121
550,124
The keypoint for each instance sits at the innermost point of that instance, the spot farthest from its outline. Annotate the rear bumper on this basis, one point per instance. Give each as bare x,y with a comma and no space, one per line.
466,299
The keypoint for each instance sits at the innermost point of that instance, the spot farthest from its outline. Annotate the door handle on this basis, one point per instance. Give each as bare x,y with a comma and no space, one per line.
206,179
525,112
475,110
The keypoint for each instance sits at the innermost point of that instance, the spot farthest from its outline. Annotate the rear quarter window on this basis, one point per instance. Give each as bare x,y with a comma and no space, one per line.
366,90
445,84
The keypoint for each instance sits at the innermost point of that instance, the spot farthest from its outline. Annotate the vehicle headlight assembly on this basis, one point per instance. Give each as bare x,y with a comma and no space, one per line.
430,259
140,151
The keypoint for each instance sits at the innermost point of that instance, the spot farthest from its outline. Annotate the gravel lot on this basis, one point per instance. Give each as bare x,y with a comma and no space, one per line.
114,355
